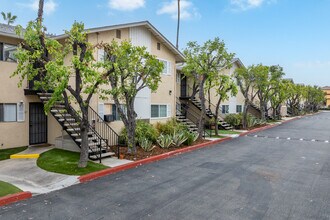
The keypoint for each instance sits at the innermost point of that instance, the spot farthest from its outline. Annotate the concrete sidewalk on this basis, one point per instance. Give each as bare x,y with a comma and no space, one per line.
26,175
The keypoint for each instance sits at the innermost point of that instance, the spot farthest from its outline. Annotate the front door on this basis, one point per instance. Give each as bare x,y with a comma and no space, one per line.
183,86
37,124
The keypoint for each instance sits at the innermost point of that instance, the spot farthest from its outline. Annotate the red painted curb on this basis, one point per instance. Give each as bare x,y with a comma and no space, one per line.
98,174
5,200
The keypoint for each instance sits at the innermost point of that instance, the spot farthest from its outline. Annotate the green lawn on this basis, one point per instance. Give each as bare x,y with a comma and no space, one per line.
65,162
7,188
219,136
224,132
5,153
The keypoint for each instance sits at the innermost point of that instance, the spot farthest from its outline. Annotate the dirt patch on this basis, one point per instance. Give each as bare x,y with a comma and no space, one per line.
269,176
257,126
141,154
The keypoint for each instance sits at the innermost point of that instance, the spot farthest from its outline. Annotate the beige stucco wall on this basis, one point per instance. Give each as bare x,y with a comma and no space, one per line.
13,134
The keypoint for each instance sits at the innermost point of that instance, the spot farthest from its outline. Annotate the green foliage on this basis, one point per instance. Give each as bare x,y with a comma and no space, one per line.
165,141
7,189
146,145
234,120
253,121
170,127
179,138
191,138
5,153
8,17
143,130
65,162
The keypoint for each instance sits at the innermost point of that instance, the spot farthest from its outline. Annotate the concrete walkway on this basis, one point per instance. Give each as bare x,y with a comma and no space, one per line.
26,175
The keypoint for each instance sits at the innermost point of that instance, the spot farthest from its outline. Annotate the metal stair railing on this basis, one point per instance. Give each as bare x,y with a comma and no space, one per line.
179,109
102,127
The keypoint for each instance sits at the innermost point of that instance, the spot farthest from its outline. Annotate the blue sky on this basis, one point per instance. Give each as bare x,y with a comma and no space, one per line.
292,33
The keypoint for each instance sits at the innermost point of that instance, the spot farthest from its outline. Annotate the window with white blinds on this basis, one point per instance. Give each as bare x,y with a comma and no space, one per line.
8,112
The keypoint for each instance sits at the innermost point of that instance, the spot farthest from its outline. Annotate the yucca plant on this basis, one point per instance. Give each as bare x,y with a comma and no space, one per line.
165,141
179,138
146,145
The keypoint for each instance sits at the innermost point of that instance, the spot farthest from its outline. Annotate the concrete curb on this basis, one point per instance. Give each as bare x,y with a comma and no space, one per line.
5,200
98,174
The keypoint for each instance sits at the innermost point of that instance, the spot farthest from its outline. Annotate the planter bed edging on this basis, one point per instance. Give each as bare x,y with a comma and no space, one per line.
98,174
5,200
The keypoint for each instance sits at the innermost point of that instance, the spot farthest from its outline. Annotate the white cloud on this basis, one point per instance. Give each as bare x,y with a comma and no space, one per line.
187,10
317,64
126,5
243,5
49,6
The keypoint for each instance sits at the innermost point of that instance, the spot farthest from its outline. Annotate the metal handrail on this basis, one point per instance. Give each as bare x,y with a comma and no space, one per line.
178,103
102,127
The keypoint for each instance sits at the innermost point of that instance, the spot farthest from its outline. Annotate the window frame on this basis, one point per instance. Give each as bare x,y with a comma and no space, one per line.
2,53
118,33
2,117
168,67
160,117
225,109
241,108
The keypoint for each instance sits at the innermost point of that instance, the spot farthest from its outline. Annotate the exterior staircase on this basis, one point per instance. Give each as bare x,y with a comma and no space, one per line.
99,147
210,114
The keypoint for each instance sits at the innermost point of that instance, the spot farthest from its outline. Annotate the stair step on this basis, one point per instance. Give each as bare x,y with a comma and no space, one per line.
63,115
75,124
73,129
90,139
103,155
58,106
54,110
45,94
67,119
103,144
78,134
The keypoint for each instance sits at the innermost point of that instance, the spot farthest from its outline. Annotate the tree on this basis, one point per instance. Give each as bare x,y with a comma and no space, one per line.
9,18
266,78
224,85
278,96
203,63
295,95
130,69
246,80
39,55
314,97
178,27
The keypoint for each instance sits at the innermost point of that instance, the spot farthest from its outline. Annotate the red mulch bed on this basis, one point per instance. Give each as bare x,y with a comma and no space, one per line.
141,154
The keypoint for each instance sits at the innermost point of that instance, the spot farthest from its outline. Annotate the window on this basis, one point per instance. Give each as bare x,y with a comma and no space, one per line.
118,34
160,111
225,109
178,77
115,112
238,108
8,112
167,67
158,46
7,52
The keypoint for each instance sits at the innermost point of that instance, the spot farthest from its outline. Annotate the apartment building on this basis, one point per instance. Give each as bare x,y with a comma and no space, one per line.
22,119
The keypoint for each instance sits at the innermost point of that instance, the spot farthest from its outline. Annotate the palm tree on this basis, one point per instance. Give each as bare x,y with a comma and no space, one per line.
8,17
178,26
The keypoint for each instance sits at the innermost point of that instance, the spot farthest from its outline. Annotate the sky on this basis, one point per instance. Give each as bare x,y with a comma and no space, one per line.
294,34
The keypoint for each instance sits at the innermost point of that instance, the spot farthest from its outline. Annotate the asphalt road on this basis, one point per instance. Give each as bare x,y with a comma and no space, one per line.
282,173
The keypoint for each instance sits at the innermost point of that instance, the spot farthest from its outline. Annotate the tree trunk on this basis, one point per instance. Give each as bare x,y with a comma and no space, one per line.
84,144
216,117
201,122
263,111
244,118
131,137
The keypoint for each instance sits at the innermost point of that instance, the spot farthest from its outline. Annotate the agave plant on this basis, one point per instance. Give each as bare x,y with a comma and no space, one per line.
146,145
165,141
179,138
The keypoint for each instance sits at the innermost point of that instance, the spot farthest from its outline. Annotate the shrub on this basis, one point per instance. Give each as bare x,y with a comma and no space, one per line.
253,121
165,141
170,127
234,120
143,130
146,145
191,138
179,138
